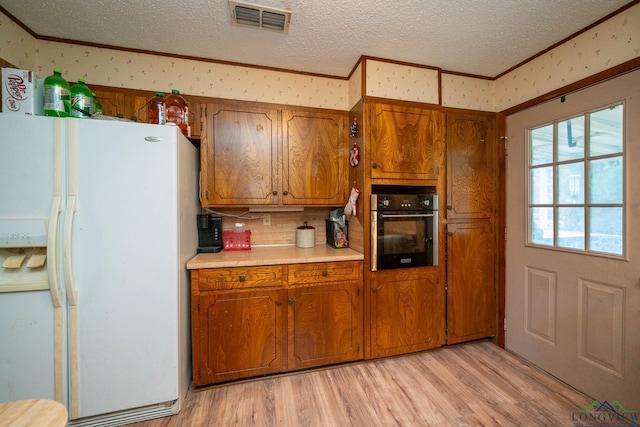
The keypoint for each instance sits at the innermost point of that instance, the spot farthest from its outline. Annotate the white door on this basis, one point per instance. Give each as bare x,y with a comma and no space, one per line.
122,265
31,314
575,315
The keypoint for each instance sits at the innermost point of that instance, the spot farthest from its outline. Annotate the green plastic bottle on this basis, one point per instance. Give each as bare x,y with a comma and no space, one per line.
57,99
81,100
97,107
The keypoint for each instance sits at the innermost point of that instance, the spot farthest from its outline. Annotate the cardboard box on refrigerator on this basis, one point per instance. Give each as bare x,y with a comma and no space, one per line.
22,92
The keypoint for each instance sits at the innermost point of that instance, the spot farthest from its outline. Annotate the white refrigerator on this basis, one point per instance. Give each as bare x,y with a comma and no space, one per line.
97,221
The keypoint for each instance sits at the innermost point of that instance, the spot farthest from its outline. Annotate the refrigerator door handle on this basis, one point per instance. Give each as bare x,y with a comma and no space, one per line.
56,298
72,302
52,252
72,293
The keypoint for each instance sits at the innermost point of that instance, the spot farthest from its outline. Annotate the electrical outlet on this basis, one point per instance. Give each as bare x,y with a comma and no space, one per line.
266,219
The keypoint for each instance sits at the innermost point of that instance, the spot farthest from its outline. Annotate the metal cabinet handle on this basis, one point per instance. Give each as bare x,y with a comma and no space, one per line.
450,233
450,207
274,192
325,273
291,300
374,290
278,303
242,278
374,165
285,193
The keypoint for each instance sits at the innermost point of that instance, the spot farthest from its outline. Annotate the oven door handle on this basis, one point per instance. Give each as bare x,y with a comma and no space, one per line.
382,216
374,241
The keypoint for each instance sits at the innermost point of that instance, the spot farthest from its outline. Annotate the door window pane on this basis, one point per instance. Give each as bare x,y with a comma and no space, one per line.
541,147
605,230
571,139
606,131
541,232
571,228
541,191
605,180
571,183
576,183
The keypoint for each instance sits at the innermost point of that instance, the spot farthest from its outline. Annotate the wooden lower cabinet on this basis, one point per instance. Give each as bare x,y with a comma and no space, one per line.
255,321
325,324
238,334
471,293
407,311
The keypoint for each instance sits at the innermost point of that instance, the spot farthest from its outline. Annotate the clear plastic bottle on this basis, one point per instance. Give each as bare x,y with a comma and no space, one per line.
155,109
57,95
81,100
177,111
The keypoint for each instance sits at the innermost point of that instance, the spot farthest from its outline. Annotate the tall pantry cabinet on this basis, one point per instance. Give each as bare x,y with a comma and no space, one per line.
470,225
404,145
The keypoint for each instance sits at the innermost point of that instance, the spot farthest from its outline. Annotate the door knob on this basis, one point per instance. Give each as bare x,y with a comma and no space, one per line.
291,300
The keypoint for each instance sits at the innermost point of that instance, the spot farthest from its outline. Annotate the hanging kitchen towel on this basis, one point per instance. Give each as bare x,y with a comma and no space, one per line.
350,208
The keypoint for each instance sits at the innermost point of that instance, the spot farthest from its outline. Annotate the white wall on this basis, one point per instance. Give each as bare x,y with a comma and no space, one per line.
613,42
16,45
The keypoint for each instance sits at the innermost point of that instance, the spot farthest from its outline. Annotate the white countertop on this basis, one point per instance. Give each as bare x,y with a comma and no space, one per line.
273,255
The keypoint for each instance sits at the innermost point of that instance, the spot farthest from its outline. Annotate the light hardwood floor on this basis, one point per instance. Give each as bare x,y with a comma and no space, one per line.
476,384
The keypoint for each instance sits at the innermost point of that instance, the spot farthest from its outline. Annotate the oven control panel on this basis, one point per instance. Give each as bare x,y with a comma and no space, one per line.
404,202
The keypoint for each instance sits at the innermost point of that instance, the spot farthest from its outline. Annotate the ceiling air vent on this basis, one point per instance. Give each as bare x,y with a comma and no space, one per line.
256,16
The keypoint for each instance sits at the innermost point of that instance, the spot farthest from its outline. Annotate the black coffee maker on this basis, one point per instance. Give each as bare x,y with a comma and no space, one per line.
209,233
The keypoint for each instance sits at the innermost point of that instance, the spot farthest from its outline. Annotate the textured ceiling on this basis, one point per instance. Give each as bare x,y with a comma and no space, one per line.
481,37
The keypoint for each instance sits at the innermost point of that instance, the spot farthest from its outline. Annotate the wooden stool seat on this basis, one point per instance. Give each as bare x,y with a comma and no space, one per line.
30,413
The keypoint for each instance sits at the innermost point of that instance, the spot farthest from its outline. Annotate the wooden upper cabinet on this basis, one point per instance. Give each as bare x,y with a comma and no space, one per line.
239,156
132,104
111,102
195,117
471,294
405,142
314,158
135,107
471,165
258,155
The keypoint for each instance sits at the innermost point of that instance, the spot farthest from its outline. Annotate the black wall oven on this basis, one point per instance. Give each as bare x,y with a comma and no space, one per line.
404,231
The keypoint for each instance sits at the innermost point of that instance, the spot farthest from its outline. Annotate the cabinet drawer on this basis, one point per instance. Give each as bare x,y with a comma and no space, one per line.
300,274
240,277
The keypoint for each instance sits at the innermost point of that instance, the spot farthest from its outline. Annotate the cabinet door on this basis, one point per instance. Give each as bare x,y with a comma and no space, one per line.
406,142
239,156
237,334
314,158
325,324
195,106
471,300
135,107
471,176
407,311
112,102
